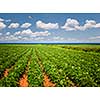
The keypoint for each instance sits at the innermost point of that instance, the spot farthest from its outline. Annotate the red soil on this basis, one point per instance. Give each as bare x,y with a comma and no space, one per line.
23,81
6,72
47,82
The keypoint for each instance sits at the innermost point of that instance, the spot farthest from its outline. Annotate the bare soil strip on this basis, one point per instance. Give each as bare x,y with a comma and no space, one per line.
23,82
6,71
46,80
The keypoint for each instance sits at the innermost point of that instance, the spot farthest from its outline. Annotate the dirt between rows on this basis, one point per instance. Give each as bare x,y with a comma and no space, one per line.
23,82
6,72
46,80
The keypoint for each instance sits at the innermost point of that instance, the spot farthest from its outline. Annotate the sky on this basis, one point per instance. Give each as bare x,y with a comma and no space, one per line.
49,28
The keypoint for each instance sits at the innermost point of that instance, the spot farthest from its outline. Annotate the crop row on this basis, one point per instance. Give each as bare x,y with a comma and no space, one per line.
65,67
83,48
80,67
34,74
14,75
11,59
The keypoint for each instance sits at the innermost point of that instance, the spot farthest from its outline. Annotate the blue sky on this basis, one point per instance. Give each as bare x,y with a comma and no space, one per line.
49,27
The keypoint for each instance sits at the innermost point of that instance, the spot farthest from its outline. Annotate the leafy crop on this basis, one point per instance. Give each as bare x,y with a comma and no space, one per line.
64,66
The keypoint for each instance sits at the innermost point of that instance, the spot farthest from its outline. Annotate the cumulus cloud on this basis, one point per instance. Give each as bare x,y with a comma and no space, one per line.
27,32
93,38
73,25
58,38
1,19
81,28
17,33
39,38
2,25
89,24
45,33
97,25
67,28
30,33
8,20
10,38
72,39
0,33
30,17
13,25
8,33
70,24
63,39
47,26
26,25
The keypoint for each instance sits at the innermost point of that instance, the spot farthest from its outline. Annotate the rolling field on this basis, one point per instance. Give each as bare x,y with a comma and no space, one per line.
49,65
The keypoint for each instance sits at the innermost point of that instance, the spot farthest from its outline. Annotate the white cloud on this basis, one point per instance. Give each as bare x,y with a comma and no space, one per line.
72,39
19,37
30,33
10,38
73,25
0,33
39,39
1,19
17,33
30,17
26,25
13,25
97,25
2,25
8,20
93,38
89,24
63,39
82,28
43,25
45,33
8,33
58,38
92,22
70,24
27,32
67,28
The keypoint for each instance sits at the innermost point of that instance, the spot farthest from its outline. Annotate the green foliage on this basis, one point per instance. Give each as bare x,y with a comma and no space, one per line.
14,75
81,68
35,76
65,67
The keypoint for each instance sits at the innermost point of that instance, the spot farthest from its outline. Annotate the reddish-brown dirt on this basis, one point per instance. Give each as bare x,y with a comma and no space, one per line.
6,72
23,81
47,82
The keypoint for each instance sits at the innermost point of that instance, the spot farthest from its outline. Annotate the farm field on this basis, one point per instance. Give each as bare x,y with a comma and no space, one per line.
44,65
